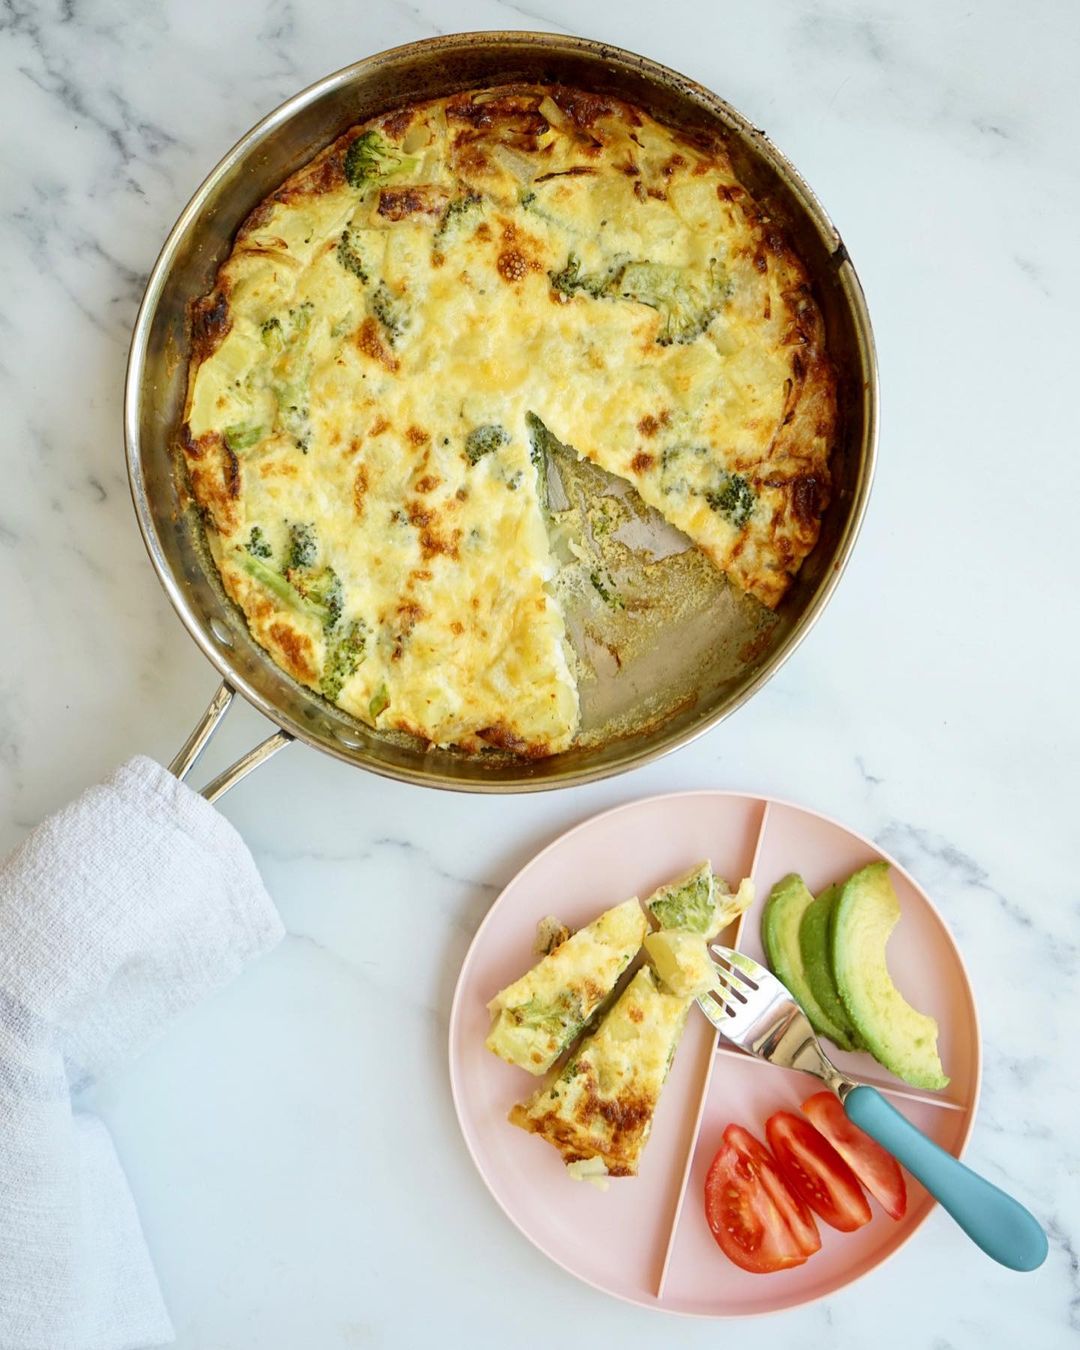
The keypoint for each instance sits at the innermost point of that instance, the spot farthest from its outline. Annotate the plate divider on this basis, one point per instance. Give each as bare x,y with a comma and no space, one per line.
703,1097
887,1089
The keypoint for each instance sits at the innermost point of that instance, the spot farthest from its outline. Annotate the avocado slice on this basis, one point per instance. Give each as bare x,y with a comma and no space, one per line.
780,924
899,1037
815,932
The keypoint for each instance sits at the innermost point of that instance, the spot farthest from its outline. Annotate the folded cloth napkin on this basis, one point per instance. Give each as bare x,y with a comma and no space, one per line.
116,914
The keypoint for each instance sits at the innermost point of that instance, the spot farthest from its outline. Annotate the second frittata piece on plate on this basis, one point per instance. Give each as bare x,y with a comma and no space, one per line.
599,1110
537,1016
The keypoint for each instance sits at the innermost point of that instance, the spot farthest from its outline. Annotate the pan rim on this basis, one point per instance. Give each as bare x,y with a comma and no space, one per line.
635,755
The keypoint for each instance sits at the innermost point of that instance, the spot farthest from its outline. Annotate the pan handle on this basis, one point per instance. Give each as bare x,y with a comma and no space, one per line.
193,747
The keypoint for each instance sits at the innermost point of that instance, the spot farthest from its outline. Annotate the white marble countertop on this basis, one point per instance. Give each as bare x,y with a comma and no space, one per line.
292,1144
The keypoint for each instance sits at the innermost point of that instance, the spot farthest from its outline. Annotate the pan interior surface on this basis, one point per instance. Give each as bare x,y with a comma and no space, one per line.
651,675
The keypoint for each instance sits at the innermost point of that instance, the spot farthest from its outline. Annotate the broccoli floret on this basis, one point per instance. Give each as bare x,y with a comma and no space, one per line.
349,255
391,310
278,333
572,279
257,544
686,304
483,441
274,582
688,903
320,588
373,159
272,335
303,586
457,211
242,437
344,652
294,412
564,1014
734,499
303,546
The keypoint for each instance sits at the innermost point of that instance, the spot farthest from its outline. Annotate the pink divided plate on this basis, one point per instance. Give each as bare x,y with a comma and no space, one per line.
645,1239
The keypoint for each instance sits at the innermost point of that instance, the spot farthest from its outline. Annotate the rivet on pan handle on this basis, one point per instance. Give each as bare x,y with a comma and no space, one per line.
193,747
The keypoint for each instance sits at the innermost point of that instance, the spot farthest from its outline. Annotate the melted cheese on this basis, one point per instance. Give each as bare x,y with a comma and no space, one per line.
537,1016
363,334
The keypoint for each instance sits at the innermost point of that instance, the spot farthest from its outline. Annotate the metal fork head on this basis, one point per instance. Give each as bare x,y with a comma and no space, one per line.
753,1010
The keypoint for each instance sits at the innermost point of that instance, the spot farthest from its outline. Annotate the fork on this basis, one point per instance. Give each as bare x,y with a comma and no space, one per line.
755,1011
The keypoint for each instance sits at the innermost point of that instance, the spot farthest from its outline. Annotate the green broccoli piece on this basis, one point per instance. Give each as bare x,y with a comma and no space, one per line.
572,279
344,653
257,544
303,546
391,310
349,255
689,902
564,1014
278,585
371,158
272,335
380,701
733,499
301,584
294,411
457,212
242,437
686,304
321,588
483,441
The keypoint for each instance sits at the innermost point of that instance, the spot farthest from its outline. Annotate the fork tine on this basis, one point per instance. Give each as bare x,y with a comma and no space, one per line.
728,985
714,997
732,967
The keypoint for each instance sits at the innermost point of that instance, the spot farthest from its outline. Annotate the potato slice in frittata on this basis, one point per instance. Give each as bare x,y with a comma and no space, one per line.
601,1105
537,1017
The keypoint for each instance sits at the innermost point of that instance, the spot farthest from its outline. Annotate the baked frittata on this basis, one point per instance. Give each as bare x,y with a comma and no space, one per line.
537,1016
403,327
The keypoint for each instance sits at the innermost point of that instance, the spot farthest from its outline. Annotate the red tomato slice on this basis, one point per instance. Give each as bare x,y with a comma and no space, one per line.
878,1171
817,1172
796,1215
742,1191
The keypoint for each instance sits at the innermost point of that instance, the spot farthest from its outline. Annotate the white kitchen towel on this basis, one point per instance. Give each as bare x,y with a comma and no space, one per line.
119,912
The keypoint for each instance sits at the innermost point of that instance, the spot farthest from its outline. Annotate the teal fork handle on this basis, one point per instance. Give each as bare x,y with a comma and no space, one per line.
1000,1225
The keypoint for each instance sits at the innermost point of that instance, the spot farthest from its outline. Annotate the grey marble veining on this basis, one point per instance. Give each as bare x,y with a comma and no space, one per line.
293,1192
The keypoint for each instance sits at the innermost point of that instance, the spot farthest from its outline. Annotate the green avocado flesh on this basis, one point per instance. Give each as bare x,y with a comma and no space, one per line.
780,924
815,932
899,1037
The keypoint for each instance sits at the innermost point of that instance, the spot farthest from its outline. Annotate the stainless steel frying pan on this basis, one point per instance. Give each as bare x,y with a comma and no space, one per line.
693,677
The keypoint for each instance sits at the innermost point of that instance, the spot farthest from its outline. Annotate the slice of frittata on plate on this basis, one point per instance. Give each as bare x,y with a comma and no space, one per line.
598,1111
537,1016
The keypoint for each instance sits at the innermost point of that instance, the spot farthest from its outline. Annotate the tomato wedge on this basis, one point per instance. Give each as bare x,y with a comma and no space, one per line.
753,1215
817,1172
878,1171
